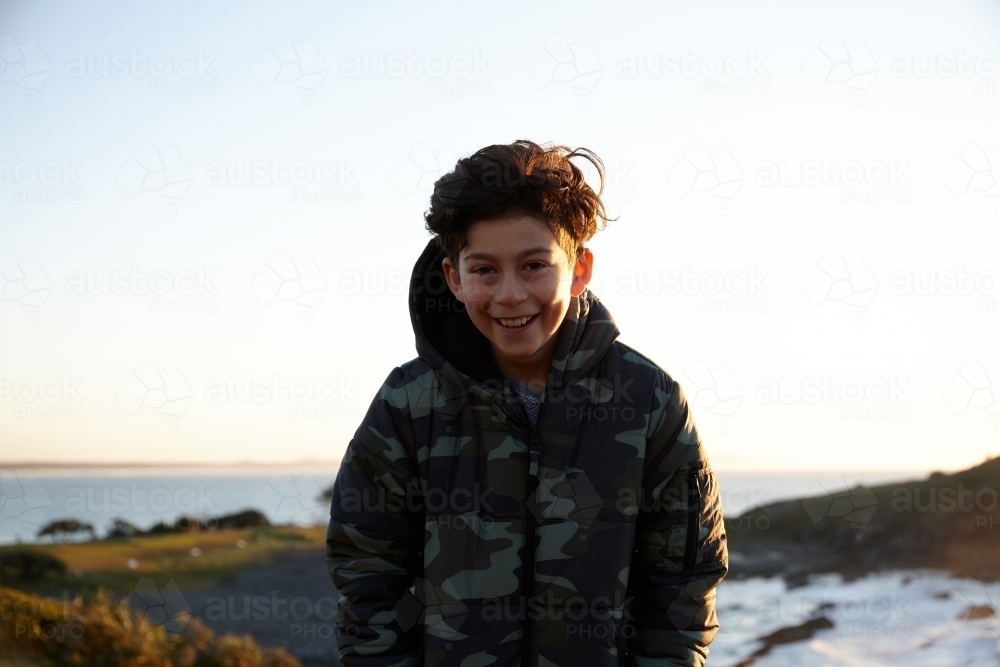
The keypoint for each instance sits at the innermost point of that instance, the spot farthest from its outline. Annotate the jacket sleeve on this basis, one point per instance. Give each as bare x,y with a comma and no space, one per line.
681,553
375,535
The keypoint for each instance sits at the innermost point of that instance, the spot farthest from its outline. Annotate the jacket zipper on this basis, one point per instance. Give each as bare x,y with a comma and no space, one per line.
693,512
528,568
528,564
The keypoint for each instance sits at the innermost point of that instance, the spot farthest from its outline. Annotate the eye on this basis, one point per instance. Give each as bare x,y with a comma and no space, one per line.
482,270
535,265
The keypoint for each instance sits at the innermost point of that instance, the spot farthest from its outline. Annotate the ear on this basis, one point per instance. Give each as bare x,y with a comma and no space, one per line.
451,276
582,272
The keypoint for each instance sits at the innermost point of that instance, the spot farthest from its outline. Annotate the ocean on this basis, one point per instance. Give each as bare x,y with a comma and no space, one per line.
913,618
31,498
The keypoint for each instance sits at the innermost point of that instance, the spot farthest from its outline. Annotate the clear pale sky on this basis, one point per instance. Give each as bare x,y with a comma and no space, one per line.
197,198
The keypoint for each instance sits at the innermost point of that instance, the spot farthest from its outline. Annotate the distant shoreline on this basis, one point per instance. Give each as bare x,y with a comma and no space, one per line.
248,466
77,466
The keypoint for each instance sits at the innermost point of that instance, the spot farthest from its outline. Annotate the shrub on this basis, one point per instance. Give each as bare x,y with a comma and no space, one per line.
29,565
244,519
123,528
103,633
62,527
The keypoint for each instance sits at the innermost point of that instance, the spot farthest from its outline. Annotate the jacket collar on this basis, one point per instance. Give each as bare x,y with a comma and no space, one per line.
448,340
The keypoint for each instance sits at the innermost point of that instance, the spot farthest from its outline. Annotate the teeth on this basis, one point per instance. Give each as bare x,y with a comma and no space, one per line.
516,322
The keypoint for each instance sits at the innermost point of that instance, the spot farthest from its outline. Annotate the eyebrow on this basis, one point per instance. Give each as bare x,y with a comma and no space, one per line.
524,253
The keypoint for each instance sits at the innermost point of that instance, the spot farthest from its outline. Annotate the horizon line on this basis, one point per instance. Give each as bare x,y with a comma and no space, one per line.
21,465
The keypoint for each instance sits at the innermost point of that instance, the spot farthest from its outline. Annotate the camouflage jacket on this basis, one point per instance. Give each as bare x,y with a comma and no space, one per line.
461,535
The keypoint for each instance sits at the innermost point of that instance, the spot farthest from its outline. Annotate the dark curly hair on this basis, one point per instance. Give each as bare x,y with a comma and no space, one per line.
519,177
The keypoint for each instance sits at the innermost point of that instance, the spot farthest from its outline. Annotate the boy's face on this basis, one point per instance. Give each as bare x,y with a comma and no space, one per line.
516,282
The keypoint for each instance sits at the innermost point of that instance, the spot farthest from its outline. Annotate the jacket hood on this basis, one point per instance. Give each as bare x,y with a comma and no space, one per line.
448,340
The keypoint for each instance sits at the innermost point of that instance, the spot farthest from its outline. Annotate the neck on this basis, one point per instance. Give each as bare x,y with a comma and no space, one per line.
532,371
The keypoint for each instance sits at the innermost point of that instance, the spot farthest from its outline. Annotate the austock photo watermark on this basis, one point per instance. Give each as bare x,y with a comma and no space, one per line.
307,617
619,187
733,74
330,181
23,500
142,497
459,509
562,62
293,498
24,282
714,389
302,617
970,393
975,172
420,168
428,605
731,291
299,63
62,619
852,498
962,501
154,388
970,600
842,281
849,62
47,182
455,74
853,282
705,171
978,68
188,291
287,62
878,399
164,389
373,282
49,618
50,399
286,279
857,614
859,182
323,400
977,287
160,606
182,74
840,61
973,390
24,64
149,170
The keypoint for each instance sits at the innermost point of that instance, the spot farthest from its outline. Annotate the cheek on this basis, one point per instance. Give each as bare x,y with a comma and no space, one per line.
476,295
545,289
551,291
554,309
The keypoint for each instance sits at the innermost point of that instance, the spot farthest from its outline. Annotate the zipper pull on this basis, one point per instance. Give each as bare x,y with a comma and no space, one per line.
534,447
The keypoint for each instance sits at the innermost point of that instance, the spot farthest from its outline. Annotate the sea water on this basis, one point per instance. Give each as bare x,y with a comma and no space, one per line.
908,619
31,498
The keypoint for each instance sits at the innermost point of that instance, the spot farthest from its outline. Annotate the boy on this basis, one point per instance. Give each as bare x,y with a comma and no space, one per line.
528,491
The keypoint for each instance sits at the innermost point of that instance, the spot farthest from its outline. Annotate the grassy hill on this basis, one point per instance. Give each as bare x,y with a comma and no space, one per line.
946,521
88,584
193,559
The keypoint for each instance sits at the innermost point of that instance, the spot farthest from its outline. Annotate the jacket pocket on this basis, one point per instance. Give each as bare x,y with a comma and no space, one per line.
705,541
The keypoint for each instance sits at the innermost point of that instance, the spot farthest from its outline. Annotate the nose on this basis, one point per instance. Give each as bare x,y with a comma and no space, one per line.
511,290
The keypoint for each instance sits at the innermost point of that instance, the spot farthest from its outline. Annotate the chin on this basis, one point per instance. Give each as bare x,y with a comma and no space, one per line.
519,351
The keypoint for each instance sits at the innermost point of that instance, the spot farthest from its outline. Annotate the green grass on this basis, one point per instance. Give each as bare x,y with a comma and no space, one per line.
106,563
25,659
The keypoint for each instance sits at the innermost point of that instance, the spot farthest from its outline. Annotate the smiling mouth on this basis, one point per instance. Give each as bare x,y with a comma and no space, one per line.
515,322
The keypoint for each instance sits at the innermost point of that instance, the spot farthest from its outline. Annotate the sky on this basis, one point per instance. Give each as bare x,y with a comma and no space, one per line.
209,213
